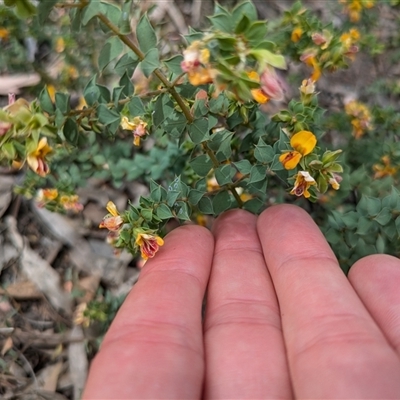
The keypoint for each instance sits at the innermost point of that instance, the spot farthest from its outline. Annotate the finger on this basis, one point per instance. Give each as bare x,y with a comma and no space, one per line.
154,348
376,279
334,348
245,354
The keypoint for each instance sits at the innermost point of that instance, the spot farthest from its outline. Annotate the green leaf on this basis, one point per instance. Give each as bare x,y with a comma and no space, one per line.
244,166
364,226
135,107
145,35
257,173
276,164
224,174
254,205
172,196
9,150
164,212
63,102
242,25
111,11
220,143
70,131
175,124
111,50
221,202
264,153
221,22
91,92
201,165
198,130
256,32
90,11
150,62
124,23
373,206
45,101
107,116
127,63
183,211
384,217
127,85
174,65
104,94
24,9
380,244
247,9
195,196
265,57
205,206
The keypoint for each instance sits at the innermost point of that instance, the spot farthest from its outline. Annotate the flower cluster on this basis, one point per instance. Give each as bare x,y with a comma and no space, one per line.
385,168
249,75
361,118
353,8
196,64
314,170
21,140
54,200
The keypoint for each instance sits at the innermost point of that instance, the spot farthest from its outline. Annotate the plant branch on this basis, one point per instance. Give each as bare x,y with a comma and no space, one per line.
157,72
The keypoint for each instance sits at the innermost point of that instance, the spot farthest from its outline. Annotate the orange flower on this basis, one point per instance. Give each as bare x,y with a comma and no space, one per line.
113,221
296,34
303,182
309,59
258,95
303,143
200,76
36,158
149,244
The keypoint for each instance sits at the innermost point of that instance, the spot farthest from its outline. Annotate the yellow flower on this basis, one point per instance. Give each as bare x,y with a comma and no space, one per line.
113,221
36,158
387,169
334,183
303,182
296,34
49,194
149,244
71,203
200,76
137,126
303,143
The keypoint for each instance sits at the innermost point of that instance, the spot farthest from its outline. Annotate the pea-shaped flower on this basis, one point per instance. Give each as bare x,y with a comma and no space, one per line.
148,244
303,143
113,221
303,182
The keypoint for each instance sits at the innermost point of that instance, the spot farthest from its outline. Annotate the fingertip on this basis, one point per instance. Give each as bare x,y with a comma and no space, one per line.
197,236
234,219
281,212
372,264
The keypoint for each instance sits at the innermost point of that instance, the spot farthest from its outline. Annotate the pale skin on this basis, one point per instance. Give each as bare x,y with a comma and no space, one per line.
282,321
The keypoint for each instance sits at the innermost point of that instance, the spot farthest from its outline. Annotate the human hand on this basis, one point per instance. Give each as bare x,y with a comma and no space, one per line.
281,319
